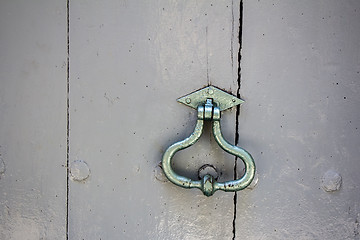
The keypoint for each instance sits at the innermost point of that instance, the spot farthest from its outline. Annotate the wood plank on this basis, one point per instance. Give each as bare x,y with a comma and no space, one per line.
300,80
130,61
33,119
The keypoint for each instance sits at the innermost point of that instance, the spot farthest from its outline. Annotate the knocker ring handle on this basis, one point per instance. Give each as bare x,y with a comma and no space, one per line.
208,185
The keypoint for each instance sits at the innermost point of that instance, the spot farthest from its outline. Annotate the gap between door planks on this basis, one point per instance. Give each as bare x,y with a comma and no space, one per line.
238,106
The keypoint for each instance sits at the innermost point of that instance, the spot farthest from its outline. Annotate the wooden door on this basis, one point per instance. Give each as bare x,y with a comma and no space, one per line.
88,106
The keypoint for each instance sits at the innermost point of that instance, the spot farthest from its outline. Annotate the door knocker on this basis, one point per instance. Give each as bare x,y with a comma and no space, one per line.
209,102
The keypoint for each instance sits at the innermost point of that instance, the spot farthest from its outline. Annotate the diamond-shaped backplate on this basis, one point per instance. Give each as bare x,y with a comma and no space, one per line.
221,98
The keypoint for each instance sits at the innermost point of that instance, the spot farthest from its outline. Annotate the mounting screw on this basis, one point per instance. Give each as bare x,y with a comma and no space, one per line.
188,100
79,170
331,181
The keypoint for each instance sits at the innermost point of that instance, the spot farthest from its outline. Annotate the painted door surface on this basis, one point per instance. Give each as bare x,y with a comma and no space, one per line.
301,81
129,62
33,120
88,106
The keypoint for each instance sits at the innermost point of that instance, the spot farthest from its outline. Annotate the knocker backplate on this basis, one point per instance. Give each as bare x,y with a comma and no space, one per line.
222,99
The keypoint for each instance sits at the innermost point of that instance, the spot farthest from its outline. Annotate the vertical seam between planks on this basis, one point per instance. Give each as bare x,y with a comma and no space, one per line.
67,114
238,109
207,56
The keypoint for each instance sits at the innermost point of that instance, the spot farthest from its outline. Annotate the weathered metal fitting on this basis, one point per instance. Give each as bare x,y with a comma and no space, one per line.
200,112
216,114
207,185
221,99
208,169
208,109
209,102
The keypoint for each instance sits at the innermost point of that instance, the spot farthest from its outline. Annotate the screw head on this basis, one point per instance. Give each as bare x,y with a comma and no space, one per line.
331,181
188,100
79,170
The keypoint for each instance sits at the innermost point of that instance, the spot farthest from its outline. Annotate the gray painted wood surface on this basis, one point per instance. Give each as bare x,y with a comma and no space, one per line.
129,62
301,82
33,120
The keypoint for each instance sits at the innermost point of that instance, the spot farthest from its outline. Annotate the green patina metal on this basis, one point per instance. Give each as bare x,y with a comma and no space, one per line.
209,102
222,99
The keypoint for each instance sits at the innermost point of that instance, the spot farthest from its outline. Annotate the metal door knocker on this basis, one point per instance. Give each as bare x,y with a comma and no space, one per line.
209,102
